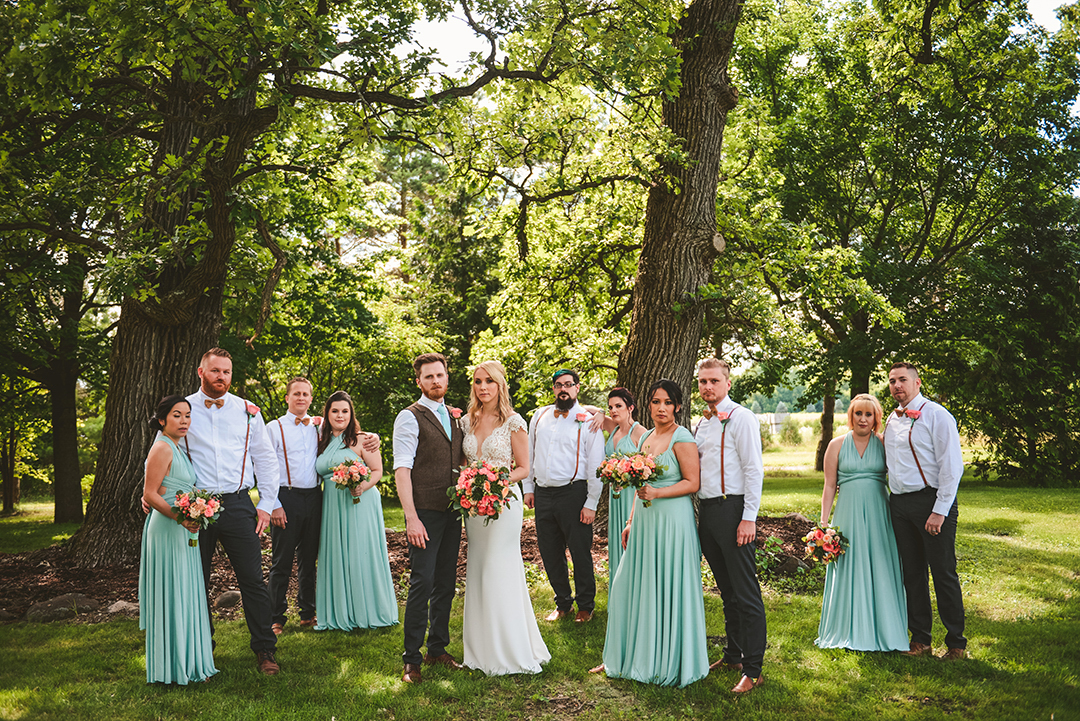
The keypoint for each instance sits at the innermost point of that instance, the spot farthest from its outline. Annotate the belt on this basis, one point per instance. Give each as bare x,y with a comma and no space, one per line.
298,490
578,480
720,499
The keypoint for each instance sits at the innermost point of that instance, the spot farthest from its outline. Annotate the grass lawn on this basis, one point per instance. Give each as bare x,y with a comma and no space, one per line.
1019,556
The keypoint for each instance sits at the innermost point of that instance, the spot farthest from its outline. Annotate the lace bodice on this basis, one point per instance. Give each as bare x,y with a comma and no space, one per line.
496,449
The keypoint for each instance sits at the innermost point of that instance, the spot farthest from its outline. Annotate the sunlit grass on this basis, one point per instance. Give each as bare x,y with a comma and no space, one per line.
32,528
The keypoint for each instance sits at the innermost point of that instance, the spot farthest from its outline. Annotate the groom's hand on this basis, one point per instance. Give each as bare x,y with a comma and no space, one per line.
263,523
415,532
587,515
934,523
745,533
529,499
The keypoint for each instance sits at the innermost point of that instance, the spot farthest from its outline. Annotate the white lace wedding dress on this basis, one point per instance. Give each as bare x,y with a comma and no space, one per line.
500,633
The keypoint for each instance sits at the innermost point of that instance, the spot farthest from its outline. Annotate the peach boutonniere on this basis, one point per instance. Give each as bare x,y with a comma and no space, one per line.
581,417
316,421
251,408
455,412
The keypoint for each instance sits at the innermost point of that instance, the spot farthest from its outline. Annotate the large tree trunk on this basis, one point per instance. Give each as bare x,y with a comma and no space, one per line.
828,407
63,374
680,240
9,446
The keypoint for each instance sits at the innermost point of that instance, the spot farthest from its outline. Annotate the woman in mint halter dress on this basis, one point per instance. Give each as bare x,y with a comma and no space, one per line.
624,435
353,587
864,607
656,612
172,594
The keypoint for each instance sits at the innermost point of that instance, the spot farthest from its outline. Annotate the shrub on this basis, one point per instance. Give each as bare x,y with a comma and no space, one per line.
789,432
766,435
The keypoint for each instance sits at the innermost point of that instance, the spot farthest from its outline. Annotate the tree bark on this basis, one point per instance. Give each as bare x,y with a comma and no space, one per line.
9,446
680,239
828,407
63,381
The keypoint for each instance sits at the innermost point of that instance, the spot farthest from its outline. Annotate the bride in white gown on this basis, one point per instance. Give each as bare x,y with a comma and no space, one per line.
500,633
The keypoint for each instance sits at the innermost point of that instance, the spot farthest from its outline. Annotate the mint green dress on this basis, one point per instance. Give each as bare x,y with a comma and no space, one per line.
172,593
656,611
353,587
864,607
618,508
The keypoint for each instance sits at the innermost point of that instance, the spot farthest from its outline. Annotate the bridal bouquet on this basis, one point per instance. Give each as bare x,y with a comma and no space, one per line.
825,544
482,490
629,471
196,505
351,474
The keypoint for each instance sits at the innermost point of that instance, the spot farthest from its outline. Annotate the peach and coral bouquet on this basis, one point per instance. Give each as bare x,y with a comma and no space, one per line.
200,506
482,490
825,544
629,471
350,474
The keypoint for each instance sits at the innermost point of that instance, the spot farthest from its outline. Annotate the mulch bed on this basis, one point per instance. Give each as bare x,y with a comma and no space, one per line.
28,578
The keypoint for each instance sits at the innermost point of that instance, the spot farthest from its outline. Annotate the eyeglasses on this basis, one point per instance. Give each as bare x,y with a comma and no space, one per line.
561,386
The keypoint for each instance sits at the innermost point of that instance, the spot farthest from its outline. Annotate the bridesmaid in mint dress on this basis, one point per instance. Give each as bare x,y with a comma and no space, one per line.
624,435
353,587
172,594
864,607
656,612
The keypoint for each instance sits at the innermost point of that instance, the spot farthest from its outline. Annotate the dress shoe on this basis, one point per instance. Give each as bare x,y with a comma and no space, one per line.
308,622
747,684
583,617
556,615
267,663
443,660
278,629
412,674
725,666
918,649
954,654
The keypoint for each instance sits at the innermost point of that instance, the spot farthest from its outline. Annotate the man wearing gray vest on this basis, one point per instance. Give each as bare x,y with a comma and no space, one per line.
427,449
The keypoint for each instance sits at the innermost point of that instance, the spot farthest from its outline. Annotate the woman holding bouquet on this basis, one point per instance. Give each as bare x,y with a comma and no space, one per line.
499,633
656,614
864,608
172,594
353,587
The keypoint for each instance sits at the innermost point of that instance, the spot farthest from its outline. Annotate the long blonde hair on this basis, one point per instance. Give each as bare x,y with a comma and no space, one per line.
503,408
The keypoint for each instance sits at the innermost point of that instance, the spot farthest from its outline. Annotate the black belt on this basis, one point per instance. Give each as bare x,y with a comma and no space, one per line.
579,480
298,490
721,499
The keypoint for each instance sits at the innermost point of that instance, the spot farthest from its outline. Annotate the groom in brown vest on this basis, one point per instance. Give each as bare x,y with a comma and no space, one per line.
427,449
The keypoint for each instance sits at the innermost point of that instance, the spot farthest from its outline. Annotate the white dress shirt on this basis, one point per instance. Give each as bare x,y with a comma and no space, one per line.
552,457
216,442
301,445
744,470
407,432
937,445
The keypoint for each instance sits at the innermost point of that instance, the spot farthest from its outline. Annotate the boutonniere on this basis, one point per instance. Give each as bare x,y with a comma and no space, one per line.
722,417
455,413
909,412
316,421
581,417
251,408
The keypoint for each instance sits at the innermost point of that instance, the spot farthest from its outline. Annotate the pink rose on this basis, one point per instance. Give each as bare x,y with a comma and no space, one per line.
913,414
581,417
466,503
316,420
455,412
721,416
251,408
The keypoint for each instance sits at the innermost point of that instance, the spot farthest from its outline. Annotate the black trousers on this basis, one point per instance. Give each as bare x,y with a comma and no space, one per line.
559,527
921,552
736,577
235,530
432,579
299,540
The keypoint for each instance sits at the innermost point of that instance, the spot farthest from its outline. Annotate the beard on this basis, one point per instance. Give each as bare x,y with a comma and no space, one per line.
564,404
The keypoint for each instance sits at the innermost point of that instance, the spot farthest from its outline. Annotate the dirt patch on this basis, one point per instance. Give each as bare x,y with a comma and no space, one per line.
27,578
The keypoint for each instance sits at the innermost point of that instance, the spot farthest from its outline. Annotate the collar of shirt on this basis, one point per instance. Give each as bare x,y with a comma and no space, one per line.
725,406
292,417
431,405
202,398
570,414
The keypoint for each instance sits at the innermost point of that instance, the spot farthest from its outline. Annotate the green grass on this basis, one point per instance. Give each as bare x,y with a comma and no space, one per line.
31,528
1019,555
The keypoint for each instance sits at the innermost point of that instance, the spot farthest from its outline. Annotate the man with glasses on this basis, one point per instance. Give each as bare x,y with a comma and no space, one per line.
562,486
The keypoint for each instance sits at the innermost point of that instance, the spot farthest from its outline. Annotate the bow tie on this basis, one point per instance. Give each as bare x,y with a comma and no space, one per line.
219,402
305,421
709,413
900,412
562,414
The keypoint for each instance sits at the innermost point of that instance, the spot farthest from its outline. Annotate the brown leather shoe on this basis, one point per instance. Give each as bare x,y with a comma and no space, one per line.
725,666
747,684
955,654
278,629
267,663
918,649
412,674
583,617
443,660
308,622
556,615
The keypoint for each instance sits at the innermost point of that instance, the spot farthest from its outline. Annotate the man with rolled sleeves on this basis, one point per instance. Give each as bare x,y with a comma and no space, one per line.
427,449
922,453
729,445
228,445
562,486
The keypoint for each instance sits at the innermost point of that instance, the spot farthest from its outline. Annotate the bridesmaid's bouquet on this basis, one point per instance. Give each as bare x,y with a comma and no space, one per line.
351,474
825,544
482,490
195,505
629,471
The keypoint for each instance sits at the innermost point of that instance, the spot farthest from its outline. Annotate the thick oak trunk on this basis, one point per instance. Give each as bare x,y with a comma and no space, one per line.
680,240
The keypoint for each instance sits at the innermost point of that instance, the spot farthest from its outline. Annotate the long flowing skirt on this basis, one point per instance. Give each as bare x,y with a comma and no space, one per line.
618,513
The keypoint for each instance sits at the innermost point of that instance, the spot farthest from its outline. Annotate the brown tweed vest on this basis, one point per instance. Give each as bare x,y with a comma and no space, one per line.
436,458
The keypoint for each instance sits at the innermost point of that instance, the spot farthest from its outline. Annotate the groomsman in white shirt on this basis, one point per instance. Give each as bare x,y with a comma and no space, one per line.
228,446
296,522
562,486
922,452
729,445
